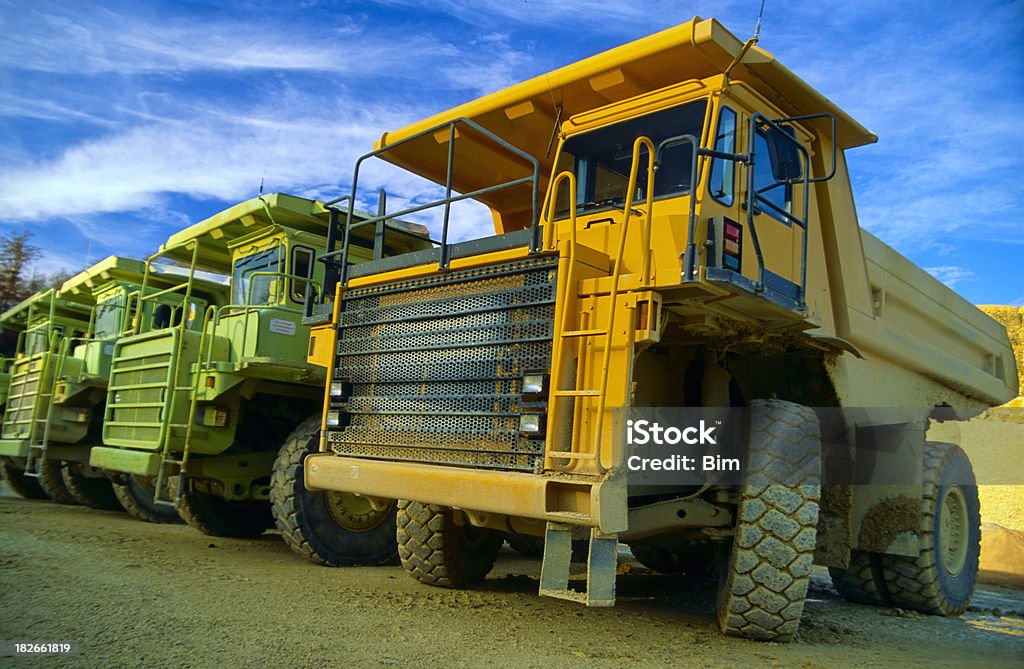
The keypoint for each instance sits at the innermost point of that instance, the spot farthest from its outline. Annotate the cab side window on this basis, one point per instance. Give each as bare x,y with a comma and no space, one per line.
778,193
722,182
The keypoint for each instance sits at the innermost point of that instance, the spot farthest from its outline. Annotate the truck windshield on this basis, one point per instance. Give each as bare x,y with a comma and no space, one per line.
601,158
262,261
108,315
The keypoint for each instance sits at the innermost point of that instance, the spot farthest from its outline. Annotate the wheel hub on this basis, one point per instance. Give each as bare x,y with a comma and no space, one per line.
953,531
354,512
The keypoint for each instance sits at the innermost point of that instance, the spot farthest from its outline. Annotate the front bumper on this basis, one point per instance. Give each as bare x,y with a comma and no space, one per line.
586,501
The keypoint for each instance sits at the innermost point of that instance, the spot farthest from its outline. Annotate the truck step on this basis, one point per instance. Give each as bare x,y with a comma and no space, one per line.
602,560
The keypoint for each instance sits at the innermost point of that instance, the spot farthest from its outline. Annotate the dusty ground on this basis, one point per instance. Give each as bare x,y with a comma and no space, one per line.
134,594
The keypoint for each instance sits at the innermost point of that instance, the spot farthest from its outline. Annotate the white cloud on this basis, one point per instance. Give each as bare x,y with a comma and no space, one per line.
950,274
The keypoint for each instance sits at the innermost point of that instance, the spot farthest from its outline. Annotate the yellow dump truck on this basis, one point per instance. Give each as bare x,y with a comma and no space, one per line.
675,228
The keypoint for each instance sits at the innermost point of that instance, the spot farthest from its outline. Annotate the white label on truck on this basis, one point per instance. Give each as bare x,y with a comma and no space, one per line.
281,326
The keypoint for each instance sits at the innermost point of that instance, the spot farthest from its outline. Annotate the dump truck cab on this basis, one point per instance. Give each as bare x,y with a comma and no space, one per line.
674,229
203,399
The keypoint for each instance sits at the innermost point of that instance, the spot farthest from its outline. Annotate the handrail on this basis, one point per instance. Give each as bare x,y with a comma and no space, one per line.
558,345
248,307
646,142
534,179
755,198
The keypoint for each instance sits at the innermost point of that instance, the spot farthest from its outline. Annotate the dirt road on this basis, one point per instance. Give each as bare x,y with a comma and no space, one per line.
134,594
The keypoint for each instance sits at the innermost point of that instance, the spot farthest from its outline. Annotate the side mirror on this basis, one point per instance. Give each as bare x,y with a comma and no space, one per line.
784,155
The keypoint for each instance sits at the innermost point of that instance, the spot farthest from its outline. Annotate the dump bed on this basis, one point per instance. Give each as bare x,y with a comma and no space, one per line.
924,326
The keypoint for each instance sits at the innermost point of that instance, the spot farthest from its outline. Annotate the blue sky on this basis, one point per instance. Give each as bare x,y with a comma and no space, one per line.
122,122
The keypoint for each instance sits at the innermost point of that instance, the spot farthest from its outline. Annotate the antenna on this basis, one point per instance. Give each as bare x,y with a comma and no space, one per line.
746,46
757,28
267,163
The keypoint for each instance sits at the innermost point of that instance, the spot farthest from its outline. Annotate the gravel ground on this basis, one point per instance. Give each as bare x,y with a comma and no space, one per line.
133,594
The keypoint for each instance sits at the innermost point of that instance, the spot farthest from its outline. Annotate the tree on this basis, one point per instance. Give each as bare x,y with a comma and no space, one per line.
16,254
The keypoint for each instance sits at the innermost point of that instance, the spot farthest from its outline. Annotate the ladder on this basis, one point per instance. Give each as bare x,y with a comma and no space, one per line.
602,553
559,356
35,459
169,457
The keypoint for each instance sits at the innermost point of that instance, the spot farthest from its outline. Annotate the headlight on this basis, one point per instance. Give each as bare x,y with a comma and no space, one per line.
333,418
531,423
337,388
535,384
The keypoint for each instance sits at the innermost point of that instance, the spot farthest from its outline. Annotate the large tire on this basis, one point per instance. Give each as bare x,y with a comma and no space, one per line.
51,480
437,551
764,582
89,487
941,579
526,545
20,483
861,581
136,496
330,528
218,517
699,560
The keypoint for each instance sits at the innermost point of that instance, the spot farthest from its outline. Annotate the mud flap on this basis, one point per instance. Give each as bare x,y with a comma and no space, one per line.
602,560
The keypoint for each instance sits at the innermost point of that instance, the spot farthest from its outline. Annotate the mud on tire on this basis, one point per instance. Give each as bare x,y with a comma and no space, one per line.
437,551
21,484
941,579
94,491
327,527
136,496
217,517
764,582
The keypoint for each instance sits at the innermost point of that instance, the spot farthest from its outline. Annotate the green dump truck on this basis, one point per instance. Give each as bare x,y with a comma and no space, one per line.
51,320
199,405
59,417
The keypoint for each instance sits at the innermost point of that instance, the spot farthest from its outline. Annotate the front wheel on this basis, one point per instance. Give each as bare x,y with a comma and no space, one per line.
21,483
436,550
218,517
762,588
941,579
328,527
136,493
89,487
51,480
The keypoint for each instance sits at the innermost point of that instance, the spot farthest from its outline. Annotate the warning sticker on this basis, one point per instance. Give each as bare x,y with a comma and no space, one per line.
281,326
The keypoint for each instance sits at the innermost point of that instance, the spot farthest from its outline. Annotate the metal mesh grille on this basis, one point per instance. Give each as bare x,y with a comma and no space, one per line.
436,365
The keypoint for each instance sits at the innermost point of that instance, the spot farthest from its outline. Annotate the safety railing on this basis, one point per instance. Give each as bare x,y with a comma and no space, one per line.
339,257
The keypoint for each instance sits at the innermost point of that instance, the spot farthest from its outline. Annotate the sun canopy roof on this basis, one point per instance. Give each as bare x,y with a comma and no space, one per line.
82,286
40,304
217,231
525,114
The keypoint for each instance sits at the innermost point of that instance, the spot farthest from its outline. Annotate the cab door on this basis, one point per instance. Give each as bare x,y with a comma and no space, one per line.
776,185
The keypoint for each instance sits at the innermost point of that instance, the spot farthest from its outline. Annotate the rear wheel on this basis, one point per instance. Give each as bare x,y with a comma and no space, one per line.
217,517
941,579
20,483
861,580
763,585
700,560
89,487
329,527
436,550
526,544
51,480
136,496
